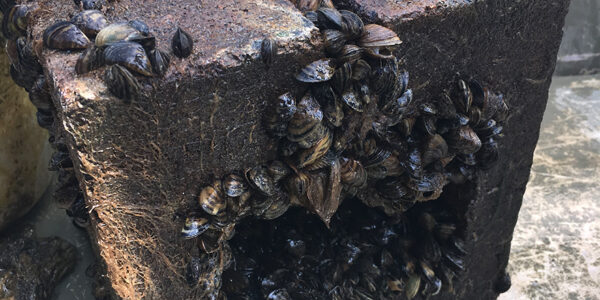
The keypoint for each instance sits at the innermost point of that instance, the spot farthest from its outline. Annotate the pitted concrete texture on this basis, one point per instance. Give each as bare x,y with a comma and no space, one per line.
511,47
141,165
555,247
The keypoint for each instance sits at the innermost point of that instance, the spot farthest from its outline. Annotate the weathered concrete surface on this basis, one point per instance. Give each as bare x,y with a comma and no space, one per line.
142,164
511,46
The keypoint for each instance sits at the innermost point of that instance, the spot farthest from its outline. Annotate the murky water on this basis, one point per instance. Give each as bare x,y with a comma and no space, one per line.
556,245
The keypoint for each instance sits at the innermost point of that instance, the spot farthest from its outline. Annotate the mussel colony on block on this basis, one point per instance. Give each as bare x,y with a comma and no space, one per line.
125,48
356,132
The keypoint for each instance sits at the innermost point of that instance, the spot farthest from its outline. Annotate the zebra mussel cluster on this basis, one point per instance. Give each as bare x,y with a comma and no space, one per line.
355,132
128,48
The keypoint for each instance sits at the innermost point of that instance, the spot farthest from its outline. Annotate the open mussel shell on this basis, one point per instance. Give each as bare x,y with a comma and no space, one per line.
115,33
353,25
375,36
90,59
130,55
182,43
122,83
317,71
194,226
90,22
65,36
160,61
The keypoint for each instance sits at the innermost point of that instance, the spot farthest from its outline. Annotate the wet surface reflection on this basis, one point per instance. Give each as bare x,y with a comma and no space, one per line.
556,245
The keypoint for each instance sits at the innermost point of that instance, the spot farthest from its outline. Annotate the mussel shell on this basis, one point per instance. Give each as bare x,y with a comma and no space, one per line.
463,140
40,94
277,118
234,185
279,205
317,71
130,55
477,92
319,149
90,22
27,60
308,114
488,154
399,106
279,294
268,50
287,147
182,43
194,226
160,61
429,182
384,78
434,149
278,170
308,5
375,36
90,4
354,26
140,26
212,200
413,163
350,53
334,41
312,16
14,21
361,70
342,78
90,59
65,36
122,83
394,188
330,18
117,32
463,98
350,98
334,113
45,118
260,180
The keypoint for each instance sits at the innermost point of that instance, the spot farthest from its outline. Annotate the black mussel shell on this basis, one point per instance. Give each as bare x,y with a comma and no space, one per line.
160,61
20,78
312,16
341,78
478,92
317,71
350,53
182,43
463,140
334,41
65,36
488,154
45,118
5,5
91,59
140,26
463,97
130,55
330,18
28,62
268,50
90,22
90,4
40,95
14,21
361,70
122,83
353,24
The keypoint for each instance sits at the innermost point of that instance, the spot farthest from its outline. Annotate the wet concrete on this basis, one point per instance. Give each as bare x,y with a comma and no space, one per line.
555,246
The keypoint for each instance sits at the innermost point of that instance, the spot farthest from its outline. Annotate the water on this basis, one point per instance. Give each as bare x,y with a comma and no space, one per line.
555,250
